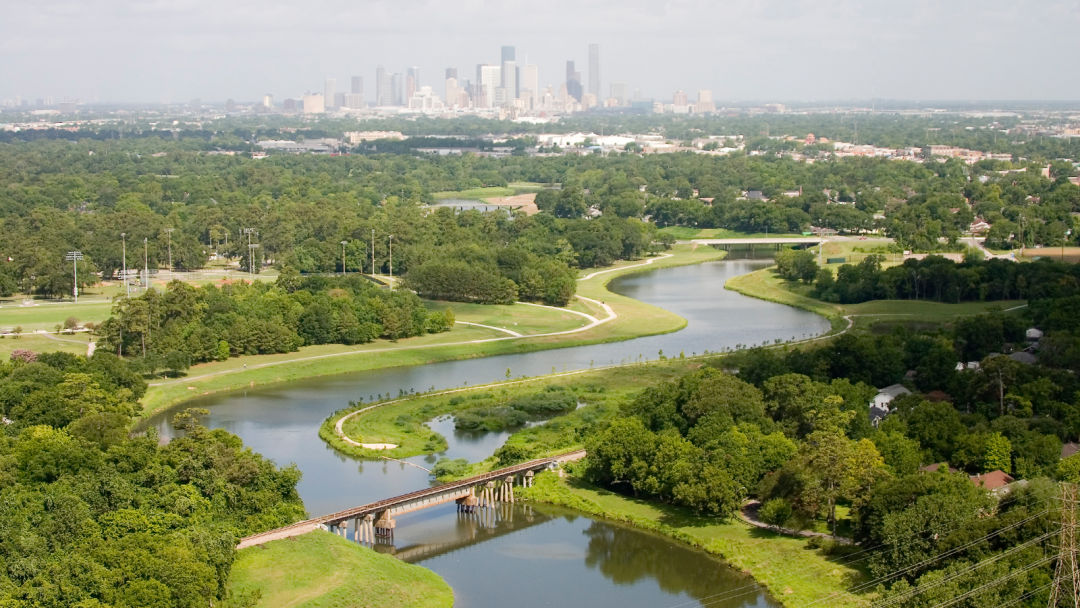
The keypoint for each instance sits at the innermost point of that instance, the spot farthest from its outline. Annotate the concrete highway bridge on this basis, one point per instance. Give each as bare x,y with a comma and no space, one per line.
482,492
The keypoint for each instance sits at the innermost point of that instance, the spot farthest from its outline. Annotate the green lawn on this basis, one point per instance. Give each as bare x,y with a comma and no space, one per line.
321,570
475,193
48,314
766,285
789,568
40,343
521,318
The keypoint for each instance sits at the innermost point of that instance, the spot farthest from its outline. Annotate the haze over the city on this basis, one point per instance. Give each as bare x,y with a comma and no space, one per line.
97,50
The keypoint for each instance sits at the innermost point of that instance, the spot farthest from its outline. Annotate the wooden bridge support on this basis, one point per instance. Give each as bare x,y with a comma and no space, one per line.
365,529
527,480
384,526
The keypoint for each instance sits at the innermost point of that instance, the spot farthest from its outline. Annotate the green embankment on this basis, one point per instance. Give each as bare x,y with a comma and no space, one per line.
792,571
401,422
764,284
321,570
634,319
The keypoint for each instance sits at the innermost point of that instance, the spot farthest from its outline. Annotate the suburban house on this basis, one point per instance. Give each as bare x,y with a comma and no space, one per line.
996,481
879,407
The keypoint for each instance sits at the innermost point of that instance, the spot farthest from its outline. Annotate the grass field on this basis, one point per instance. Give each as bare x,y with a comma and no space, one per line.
40,343
521,318
47,315
321,570
766,285
635,319
792,571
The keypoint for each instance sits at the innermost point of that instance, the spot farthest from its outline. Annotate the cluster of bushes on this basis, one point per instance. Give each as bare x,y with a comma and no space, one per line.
471,274
519,410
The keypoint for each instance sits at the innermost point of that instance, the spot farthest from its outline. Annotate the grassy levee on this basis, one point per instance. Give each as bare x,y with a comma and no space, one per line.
793,572
401,421
321,570
634,319
764,284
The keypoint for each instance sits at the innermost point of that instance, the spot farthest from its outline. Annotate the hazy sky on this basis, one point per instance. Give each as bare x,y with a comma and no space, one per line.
783,50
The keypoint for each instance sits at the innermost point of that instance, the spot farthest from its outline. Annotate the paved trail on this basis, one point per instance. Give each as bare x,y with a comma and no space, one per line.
593,322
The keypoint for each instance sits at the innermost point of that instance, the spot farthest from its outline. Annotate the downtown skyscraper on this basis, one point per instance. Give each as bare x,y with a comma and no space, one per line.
594,71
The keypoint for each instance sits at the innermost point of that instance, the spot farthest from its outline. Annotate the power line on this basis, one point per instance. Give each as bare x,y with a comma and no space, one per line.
906,595
887,577
997,581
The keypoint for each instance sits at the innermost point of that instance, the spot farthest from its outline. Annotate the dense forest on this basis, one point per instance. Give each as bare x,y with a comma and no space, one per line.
185,325
174,202
93,517
792,429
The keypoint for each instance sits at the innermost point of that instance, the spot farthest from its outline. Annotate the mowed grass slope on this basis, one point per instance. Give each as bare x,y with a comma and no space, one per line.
766,285
321,570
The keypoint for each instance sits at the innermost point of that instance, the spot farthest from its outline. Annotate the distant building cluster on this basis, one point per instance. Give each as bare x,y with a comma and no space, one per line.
507,89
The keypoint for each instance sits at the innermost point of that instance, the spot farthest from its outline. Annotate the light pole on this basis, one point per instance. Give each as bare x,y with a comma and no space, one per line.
251,250
123,245
146,262
372,252
168,232
391,262
74,257
343,271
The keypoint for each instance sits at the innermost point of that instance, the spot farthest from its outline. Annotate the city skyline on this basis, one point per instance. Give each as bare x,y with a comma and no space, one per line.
793,50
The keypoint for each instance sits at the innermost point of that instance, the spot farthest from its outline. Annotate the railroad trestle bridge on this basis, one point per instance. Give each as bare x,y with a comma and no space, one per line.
377,519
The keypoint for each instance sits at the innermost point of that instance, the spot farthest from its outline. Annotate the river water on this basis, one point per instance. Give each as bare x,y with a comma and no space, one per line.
520,549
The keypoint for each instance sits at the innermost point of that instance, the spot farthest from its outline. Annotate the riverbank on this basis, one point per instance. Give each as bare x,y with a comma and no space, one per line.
321,569
791,570
631,319
764,284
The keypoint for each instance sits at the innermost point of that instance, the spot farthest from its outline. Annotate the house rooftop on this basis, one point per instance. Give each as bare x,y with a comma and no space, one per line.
993,480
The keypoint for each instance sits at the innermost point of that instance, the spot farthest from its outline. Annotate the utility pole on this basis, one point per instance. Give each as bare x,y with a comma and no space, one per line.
146,262
343,271
1066,585
391,262
74,257
123,245
168,232
372,252
251,250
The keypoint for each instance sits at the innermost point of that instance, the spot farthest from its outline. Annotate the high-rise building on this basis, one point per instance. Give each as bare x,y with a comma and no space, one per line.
594,69
620,93
489,79
451,73
383,94
704,102
328,92
573,81
508,54
268,101
357,85
529,86
412,82
397,89
314,103
509,73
